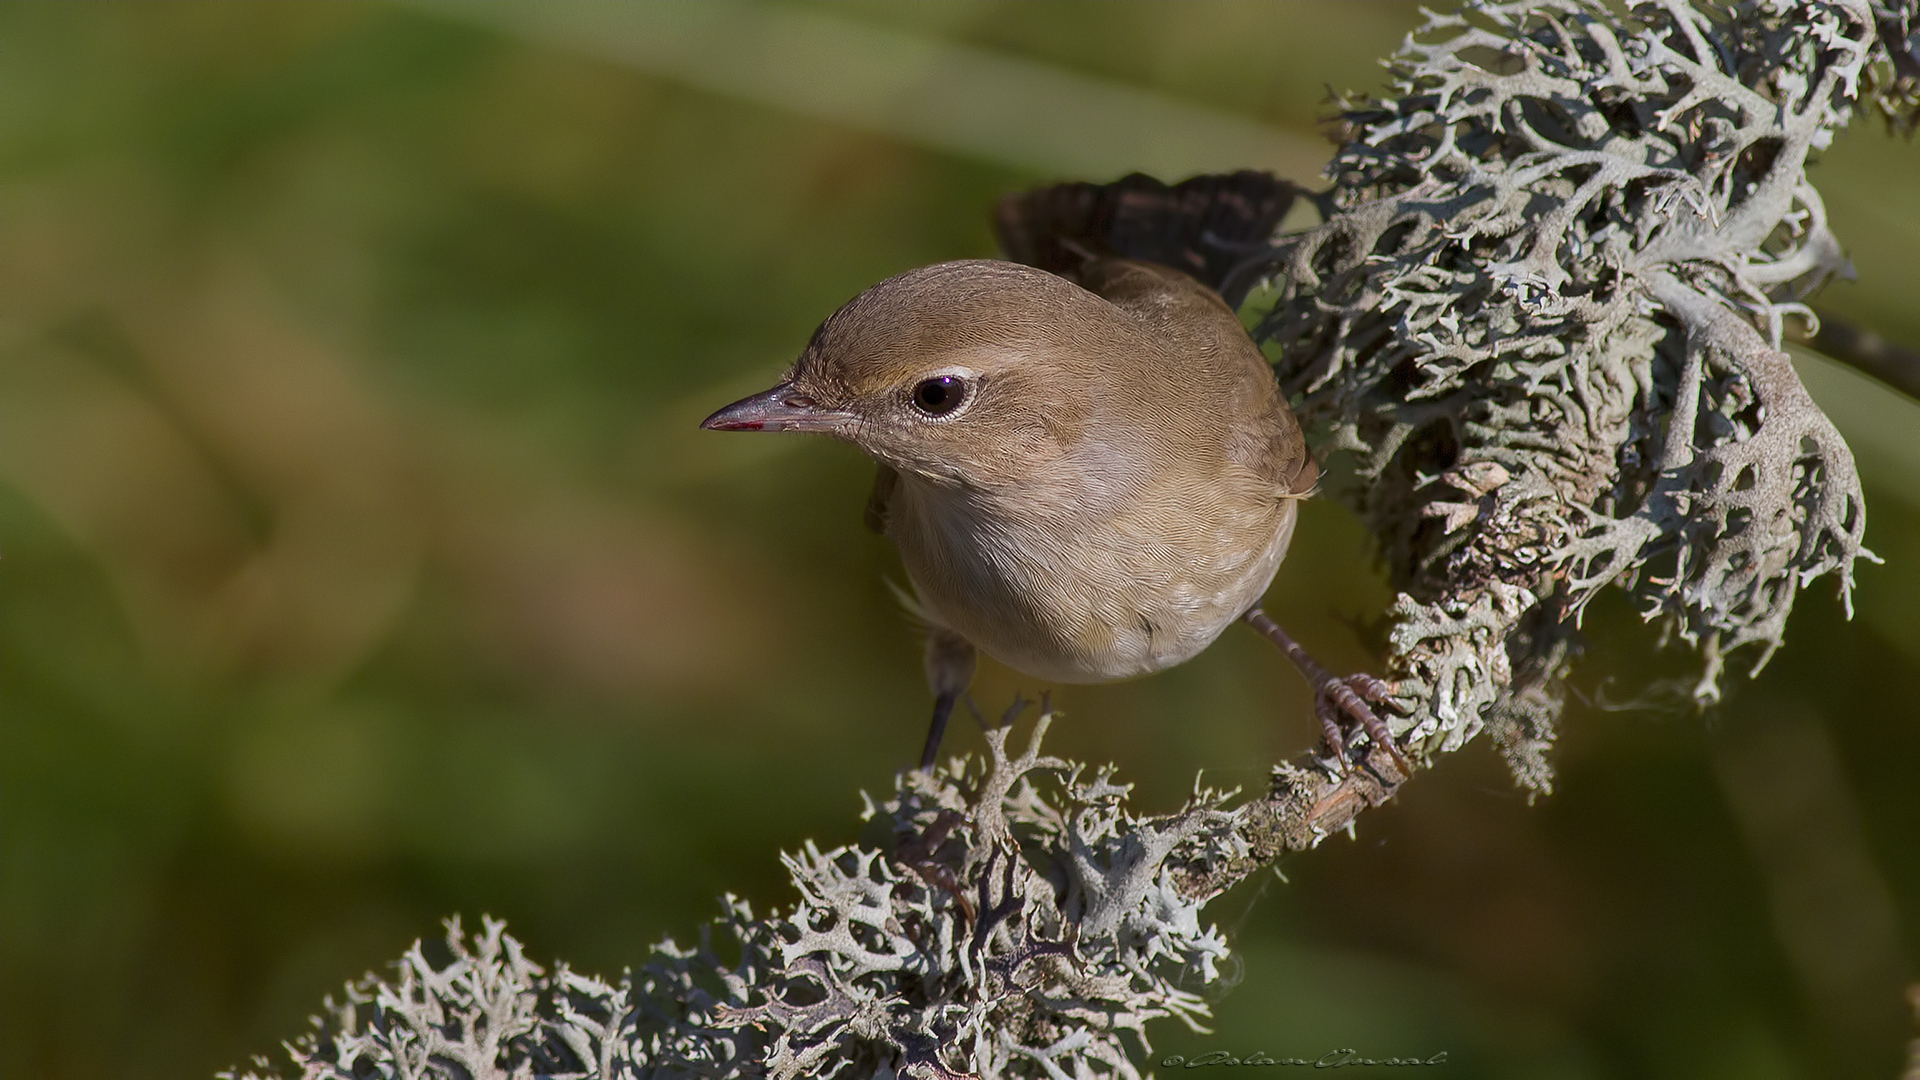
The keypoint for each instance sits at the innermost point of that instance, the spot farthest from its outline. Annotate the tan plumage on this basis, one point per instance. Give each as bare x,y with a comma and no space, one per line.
1087,479
1119,489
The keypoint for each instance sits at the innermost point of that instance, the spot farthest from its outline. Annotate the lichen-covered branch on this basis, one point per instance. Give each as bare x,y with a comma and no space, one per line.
1019,920
1543,317
1544,314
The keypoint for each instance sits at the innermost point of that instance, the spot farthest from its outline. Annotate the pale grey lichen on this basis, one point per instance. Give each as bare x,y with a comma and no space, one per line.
1016,920
1543,315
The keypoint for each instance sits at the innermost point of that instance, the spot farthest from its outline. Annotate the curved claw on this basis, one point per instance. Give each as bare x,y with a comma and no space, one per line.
1349,696
1377,691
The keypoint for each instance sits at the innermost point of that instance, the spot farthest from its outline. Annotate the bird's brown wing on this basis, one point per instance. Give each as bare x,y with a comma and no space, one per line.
877,499
1204,333
1160,252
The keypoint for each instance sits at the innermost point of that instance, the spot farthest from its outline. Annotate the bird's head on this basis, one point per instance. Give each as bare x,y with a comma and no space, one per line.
971,372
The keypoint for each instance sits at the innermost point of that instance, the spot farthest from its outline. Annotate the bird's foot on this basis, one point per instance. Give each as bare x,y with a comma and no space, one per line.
1347,701
1340,701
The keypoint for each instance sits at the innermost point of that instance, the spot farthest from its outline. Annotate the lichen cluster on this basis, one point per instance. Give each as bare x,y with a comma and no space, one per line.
1014,919
1544,315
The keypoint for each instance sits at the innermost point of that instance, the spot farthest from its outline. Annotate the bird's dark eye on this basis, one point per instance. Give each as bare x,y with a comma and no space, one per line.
940,395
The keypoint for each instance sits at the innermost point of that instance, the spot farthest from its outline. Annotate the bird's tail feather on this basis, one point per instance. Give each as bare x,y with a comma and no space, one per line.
1206,226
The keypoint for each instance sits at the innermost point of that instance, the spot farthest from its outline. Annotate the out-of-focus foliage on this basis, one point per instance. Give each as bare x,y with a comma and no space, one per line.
363,565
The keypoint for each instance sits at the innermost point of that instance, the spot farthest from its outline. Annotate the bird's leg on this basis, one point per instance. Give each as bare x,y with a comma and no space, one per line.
1337,701
937,730
950,663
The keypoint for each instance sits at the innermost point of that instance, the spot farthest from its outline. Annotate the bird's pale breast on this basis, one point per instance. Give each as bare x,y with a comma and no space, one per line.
1067,590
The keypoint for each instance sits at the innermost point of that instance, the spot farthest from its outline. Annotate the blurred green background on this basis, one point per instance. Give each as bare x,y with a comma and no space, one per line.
363,563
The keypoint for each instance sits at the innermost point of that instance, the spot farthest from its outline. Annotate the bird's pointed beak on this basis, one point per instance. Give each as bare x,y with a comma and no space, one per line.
780,409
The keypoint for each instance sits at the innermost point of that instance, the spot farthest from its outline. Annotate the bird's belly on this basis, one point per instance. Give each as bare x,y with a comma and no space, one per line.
1095,608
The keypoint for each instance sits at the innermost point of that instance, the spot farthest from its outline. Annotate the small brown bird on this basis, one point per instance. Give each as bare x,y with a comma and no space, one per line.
1089,473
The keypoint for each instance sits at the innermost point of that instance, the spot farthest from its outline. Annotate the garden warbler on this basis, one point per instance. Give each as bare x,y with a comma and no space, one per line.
1086,464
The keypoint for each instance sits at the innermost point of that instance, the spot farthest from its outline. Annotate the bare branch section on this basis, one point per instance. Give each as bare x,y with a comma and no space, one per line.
1544,316
1868,353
